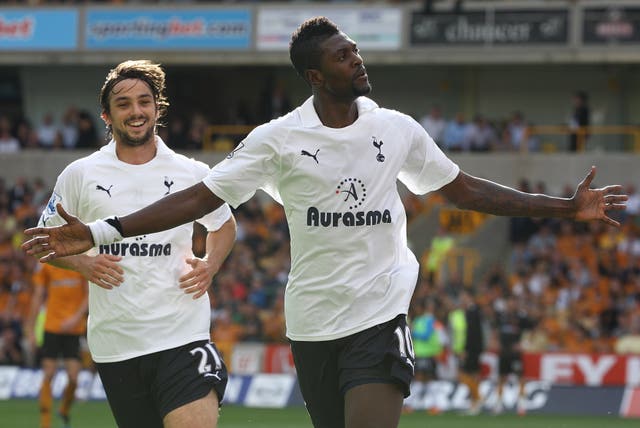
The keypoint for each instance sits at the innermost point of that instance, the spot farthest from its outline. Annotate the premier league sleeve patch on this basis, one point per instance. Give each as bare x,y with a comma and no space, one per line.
50,209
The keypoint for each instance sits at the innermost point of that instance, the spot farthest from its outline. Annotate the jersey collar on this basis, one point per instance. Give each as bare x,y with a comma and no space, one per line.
310,118
163,149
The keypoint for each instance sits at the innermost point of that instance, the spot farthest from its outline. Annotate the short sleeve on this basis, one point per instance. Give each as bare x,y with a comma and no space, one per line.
65,193
426,167
254,164
214,220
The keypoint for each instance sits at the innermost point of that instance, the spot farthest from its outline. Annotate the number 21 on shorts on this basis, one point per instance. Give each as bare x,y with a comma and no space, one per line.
208,355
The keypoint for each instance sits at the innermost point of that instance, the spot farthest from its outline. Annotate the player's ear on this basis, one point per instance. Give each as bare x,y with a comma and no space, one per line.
105,118
314,77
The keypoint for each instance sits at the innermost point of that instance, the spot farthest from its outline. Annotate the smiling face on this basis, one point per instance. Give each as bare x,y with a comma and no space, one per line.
341,72
132,113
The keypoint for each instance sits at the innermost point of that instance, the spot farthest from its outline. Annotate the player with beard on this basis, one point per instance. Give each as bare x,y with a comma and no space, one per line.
149,313
334,163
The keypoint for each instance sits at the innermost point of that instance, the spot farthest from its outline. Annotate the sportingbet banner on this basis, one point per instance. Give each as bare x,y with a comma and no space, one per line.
157,29
38,29
372,28
491,27
614,24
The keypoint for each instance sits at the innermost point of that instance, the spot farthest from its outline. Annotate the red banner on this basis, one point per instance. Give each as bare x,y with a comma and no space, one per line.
583,369
278,359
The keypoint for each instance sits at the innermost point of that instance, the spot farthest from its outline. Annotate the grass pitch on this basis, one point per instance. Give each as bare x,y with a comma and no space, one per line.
96,414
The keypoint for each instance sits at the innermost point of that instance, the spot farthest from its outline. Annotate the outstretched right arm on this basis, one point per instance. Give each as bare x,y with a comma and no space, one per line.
75,237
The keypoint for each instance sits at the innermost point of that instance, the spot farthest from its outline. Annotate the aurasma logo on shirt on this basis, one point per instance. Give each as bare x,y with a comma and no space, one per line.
315,217
135,249
352,192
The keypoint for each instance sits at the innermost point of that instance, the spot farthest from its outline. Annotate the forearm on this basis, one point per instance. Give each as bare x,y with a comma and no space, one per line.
220,243
179,208
492,198
73,263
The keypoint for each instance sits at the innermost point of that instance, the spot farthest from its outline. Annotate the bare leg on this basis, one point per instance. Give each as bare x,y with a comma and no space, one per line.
68,396
202,413
373,405
46,399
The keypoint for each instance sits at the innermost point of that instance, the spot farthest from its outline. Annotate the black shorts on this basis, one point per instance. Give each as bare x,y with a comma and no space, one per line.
427,366
61,345
510,363
326,370
470,364
143,390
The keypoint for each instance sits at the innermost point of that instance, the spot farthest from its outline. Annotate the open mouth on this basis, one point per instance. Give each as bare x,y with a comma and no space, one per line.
136,123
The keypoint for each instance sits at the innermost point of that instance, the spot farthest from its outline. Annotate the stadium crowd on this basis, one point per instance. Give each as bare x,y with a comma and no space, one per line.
577,285
77,129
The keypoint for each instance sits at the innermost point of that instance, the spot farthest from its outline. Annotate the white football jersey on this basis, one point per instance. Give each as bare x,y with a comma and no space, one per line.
351,267
148,312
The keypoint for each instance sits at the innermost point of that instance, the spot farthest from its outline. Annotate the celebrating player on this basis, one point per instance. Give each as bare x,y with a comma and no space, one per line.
149,320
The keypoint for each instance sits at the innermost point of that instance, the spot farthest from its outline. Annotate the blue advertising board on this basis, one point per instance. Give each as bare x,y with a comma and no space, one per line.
194,29
41,29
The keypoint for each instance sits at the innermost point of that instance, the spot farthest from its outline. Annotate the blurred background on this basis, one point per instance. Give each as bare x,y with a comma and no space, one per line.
530,93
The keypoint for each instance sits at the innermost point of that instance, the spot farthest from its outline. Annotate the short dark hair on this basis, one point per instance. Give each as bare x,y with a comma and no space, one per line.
145,70
304,48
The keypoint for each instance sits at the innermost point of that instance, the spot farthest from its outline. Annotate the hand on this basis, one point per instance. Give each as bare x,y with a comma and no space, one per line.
593,204
68,324
198,280
49,243
103,270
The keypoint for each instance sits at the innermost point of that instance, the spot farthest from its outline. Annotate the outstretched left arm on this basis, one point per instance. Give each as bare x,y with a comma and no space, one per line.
472,193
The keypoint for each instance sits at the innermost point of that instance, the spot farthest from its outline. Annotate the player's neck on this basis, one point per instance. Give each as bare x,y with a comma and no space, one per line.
136,155
335,113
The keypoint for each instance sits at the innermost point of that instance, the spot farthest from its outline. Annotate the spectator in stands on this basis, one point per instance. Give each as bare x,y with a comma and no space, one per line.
177,133
517,128
225,332
41,193
580,117
434,124
26,135
480,135
340,313
273,322
535,339
196,132
69,128
251,323
17,192
454,136
48,132
8,143
10,350
629,342
87,132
